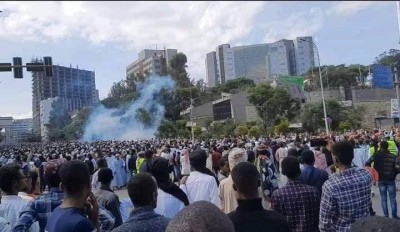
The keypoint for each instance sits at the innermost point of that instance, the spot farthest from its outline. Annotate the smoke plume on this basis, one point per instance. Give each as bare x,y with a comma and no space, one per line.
127,123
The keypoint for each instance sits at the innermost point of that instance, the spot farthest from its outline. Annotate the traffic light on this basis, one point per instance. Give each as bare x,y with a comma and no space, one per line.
5,67
17,61
34,67
48,68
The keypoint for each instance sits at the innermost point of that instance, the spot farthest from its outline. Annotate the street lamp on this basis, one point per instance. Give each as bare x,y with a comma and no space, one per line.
191,119
322,87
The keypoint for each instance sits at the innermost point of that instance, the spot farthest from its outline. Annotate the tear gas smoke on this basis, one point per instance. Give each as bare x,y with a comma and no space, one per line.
124,123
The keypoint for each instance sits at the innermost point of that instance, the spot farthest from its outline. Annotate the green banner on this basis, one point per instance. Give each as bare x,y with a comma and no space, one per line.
292,80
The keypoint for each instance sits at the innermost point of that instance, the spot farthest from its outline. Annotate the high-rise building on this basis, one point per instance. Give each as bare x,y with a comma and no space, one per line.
46,106
151,61
21,128
281,59
261,62
250,62
225,63
211,69
76,88
304,52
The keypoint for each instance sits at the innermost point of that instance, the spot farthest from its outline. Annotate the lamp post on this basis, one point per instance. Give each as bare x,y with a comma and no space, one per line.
191,119
322,87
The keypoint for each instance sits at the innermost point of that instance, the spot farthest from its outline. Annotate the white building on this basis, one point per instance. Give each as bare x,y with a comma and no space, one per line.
45,110
151,61
281,59
211,69
6,124
304,52
225,63
250,62
21,128
261,62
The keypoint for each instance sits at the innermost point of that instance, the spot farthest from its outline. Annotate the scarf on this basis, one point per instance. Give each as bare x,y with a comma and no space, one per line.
160,170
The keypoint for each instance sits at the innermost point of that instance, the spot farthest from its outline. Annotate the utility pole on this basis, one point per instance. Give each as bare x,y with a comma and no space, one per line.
327,79
397,84
396,76
322,86
191,114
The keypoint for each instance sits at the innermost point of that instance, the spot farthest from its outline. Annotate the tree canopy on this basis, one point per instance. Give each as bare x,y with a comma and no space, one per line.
388,57
273,104
313,117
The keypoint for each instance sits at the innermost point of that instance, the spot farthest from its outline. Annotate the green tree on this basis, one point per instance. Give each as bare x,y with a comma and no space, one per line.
229,127
33,138
344,125
282,127
254,131
143,116
235,85
313,115
197,131
354,116
166,129
59,118
241,130
388,57
273,104
178,70
335,76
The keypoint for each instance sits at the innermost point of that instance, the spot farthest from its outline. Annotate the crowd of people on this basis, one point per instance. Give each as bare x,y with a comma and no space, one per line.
294,183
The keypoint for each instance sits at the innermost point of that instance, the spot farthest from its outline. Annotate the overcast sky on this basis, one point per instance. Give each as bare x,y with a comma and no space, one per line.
106,36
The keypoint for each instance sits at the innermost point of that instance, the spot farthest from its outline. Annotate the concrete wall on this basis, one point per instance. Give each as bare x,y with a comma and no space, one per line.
316,96
239,102
200,114
376,102
357,95
374,109
362,95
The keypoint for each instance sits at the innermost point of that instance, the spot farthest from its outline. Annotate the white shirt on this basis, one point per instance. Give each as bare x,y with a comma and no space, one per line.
95,181
11,207
185,165
25,196
125,208
168,205
209,163
201,187
4,225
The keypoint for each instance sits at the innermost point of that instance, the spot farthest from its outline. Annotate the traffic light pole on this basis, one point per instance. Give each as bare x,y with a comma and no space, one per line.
397,84
23,66
17,66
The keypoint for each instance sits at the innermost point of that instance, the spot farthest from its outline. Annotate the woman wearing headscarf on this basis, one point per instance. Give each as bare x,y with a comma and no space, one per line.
267,169
185,162
171,199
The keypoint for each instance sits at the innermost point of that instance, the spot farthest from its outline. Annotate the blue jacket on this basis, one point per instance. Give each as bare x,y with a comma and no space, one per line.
313,176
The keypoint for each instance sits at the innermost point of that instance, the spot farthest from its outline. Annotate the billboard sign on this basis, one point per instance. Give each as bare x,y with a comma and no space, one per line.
291,80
